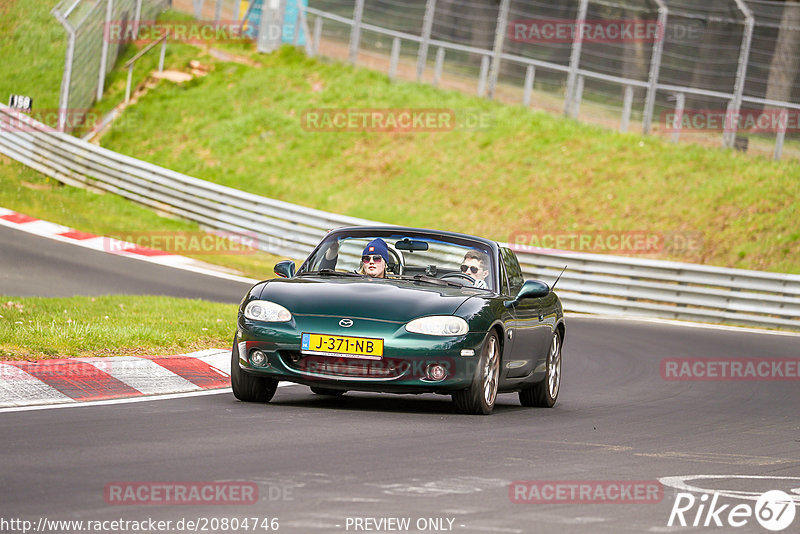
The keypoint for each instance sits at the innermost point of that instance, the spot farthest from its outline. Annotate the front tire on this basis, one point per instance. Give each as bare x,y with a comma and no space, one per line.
545,393
479,398
247,387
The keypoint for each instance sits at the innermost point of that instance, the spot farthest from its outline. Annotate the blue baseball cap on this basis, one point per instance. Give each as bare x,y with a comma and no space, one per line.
377,246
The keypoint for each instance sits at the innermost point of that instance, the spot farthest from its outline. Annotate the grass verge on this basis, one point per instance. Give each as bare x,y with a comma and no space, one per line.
117,325
525,172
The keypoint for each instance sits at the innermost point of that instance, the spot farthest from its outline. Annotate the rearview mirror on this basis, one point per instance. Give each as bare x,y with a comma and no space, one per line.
411,245
285,269
532,289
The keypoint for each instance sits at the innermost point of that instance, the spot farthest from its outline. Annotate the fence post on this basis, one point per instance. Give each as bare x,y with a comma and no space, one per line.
270,14
137,19
101,78
680,105
655,68
317,35
530,76
499,41
729,137
198,9
66,79
218,12
395,58
163,54
437,71
576,101
782,125
626,109
302,24
355,31
427,25
575,57
483,75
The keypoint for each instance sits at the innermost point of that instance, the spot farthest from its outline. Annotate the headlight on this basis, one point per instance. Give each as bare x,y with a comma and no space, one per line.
264,310
439,325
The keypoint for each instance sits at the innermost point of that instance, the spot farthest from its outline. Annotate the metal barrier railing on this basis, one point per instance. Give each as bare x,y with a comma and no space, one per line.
593,283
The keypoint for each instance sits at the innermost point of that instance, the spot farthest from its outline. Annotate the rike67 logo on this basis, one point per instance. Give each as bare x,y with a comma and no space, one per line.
774,510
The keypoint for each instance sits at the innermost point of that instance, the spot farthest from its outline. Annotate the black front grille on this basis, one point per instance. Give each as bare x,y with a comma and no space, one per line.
344,367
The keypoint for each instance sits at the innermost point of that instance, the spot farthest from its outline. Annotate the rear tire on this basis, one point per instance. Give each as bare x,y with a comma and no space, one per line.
328,392
480,396
545,393
247,387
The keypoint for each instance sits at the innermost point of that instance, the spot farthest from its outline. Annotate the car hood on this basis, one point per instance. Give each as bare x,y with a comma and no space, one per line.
388,300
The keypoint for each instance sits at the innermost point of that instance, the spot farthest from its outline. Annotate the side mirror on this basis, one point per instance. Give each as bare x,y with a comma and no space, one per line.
285,269
532,289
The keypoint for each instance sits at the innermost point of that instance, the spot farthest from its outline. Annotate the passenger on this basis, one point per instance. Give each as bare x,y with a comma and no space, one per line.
476,265
374,259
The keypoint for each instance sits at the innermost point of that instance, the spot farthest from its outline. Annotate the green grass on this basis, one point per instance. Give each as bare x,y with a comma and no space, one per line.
32,45
39,328
528,172
31,193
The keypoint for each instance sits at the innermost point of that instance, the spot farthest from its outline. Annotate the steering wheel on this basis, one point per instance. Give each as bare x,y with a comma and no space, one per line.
459,275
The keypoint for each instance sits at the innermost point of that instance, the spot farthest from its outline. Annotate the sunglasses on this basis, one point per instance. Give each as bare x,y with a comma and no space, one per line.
467,268
377,258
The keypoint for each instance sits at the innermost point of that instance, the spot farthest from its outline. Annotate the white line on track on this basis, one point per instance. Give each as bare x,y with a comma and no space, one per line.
127,400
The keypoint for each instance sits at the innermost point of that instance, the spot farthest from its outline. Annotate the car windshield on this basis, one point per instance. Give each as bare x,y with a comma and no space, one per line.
432,258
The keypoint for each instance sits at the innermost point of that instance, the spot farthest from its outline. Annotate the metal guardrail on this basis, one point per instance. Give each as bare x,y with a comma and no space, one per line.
593,283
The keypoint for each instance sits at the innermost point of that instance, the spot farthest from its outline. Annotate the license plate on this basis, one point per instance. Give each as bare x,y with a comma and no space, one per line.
342,346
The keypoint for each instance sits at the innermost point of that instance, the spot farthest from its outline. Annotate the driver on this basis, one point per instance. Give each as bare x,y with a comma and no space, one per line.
476,265
374,259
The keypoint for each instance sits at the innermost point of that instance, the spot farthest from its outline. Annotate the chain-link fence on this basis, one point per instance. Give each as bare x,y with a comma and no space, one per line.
96,31
676,67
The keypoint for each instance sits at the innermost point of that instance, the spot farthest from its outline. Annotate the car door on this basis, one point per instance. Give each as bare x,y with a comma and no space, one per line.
532,330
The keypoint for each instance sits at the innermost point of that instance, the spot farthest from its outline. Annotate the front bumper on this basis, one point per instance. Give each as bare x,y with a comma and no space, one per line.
404,367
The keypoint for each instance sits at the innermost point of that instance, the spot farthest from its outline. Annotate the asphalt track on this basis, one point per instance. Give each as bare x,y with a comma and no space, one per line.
317,461
31,265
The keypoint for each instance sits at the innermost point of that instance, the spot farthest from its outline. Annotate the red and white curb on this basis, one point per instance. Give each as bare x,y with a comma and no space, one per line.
76,380
31,225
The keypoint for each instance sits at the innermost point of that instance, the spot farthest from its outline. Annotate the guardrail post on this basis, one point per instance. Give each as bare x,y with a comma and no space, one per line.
782,125
395,58
575,58
437,72
499,41
680,104
655,68
483,75
626,109
530,76
317,36
427,25
101,77
355,31
729,136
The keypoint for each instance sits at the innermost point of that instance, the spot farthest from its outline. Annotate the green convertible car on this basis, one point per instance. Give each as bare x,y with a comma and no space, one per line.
402,310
